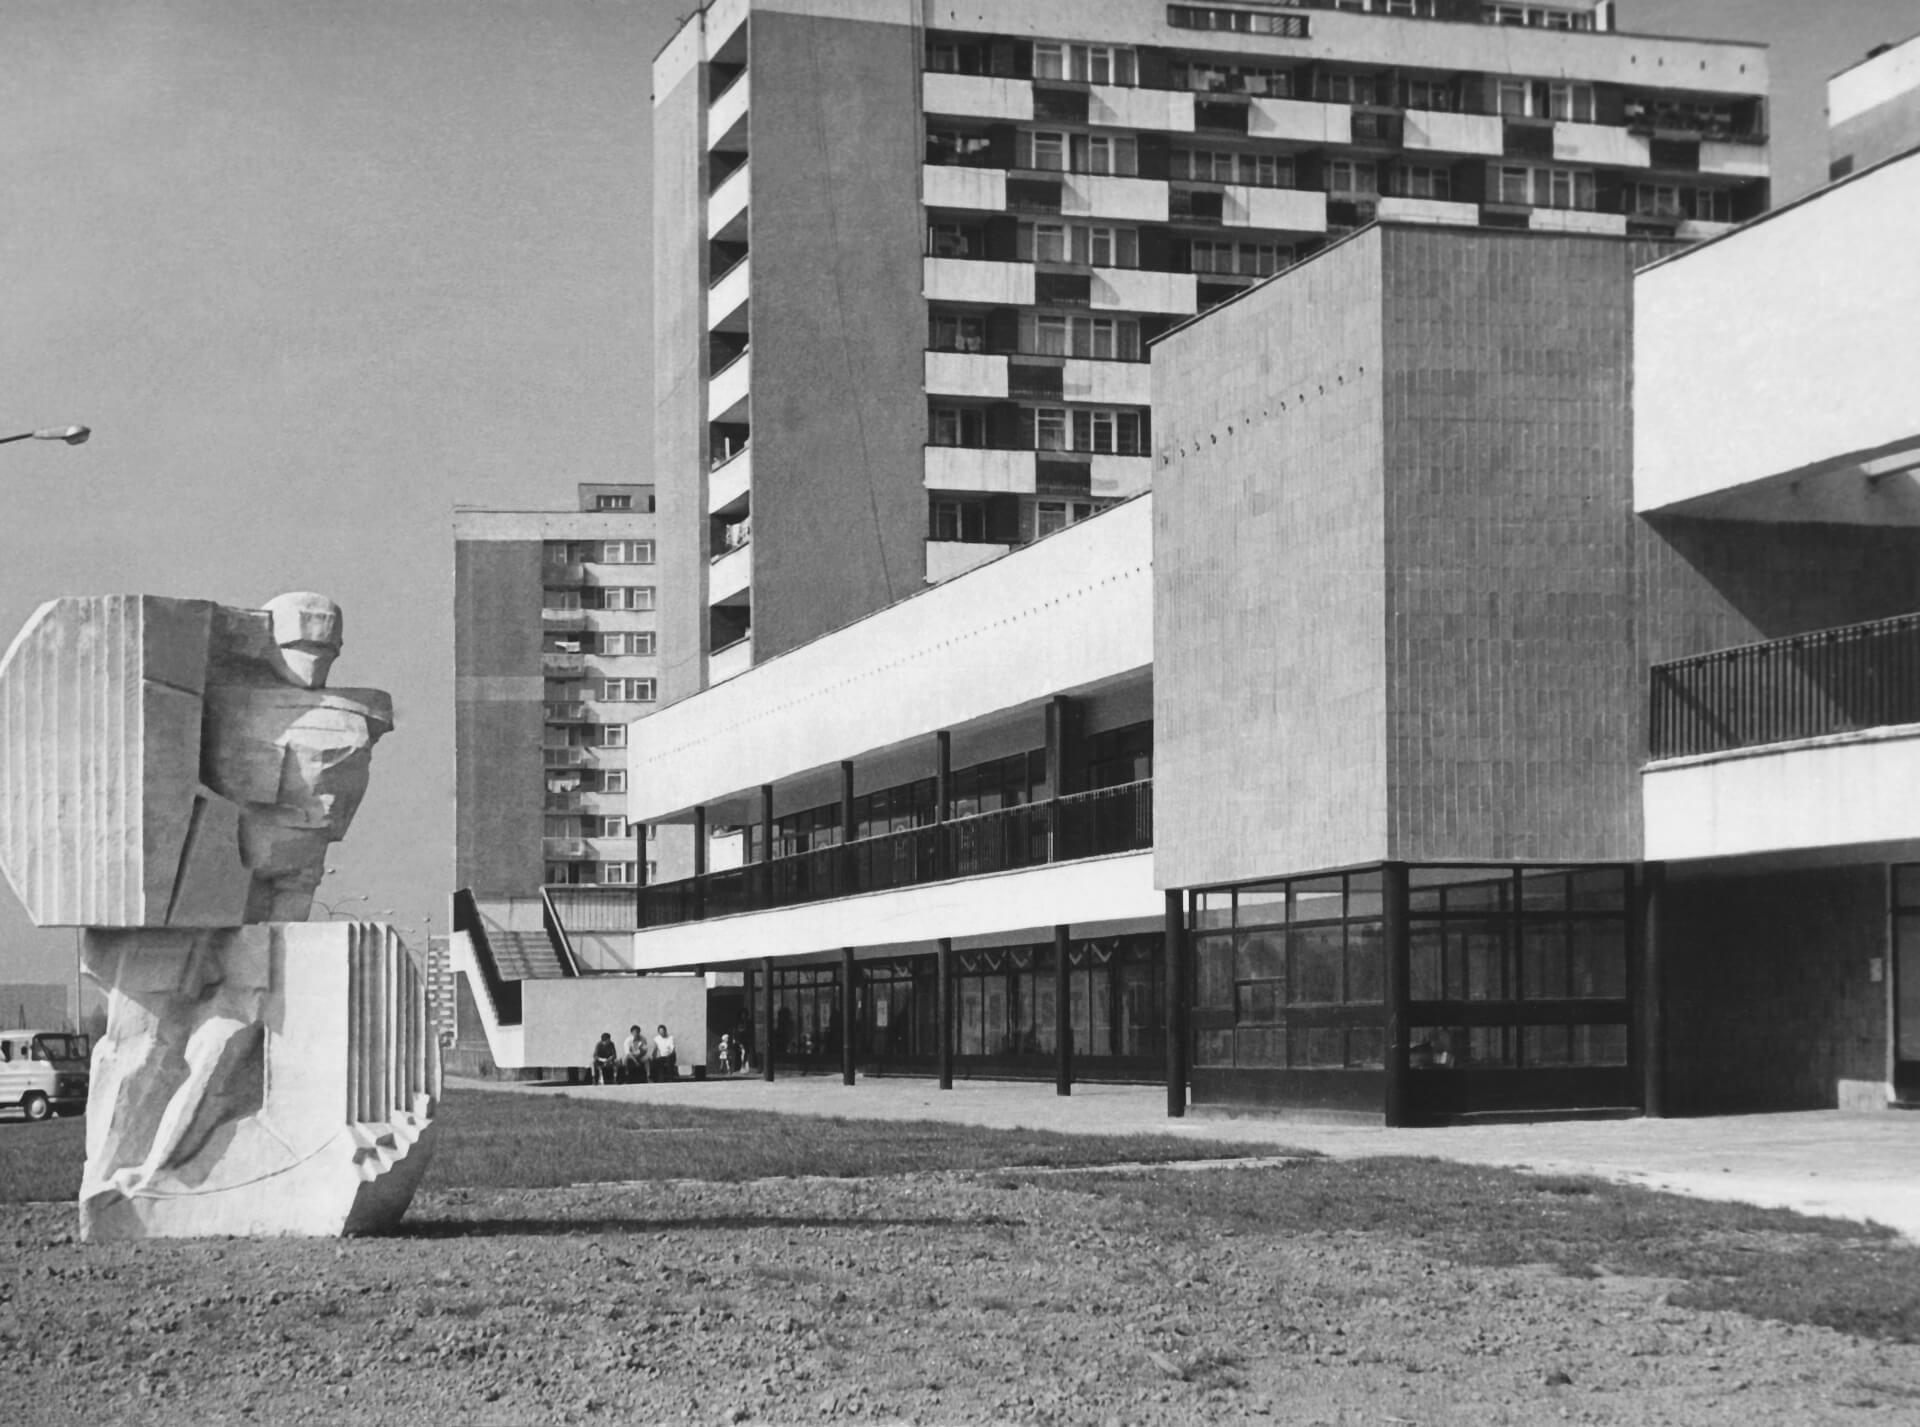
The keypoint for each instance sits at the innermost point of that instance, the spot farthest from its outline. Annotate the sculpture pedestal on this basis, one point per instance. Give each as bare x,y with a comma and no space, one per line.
278,1078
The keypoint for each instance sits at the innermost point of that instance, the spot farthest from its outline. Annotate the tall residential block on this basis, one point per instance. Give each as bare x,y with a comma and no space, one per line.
1873,108
908,259
556,651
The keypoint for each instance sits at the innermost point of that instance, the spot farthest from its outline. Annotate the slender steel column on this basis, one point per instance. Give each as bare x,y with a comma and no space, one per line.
1176,957
1652,887
766,1030
942,801
944,960
848,1005
1062,1017
1056,773
766,844
699,863
847,867
1398,949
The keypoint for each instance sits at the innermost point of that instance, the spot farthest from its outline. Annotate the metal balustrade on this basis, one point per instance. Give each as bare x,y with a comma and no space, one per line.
1832,681
1077,825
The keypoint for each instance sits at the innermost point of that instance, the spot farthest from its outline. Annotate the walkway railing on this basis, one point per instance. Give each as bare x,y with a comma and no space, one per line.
1107,820
1843,680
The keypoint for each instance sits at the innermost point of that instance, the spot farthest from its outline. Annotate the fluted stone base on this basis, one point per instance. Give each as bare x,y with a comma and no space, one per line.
279,1078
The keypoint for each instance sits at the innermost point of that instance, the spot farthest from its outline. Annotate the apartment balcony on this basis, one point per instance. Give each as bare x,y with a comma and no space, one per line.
727,116
975,280
1600,144
729,482
955,186
1106,383
569,849
973,468
1114,477
1429,210
1288,209
1138,290
729,574
729,391
976,374
1809,741
1697,230
1106,195
1076,827
1735,160
566,757
1432,131
1300,120
1576,220
948,558
1114,106
727,309
563,663
727,208
976,96
593,909
564,618
729,660
564,802
567,712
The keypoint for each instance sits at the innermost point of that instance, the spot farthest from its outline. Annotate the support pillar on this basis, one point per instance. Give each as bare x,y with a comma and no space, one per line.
1062,1016
1176,956
848,864
766,845
942,802
1393,904
699,908
944,960
848,1005
1651,884
766,1030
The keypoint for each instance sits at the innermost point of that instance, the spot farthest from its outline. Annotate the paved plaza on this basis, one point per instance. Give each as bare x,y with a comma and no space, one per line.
1857,1166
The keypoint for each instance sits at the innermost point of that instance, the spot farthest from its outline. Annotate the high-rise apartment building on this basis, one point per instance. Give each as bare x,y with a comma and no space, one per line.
556,651
1873,108
908,259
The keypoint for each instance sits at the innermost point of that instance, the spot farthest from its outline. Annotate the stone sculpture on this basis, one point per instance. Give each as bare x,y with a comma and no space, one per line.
172,773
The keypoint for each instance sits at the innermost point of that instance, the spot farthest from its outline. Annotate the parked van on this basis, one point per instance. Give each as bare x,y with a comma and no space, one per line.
43,1071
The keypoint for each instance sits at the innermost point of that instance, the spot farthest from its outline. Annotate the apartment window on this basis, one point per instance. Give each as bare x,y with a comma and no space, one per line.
957,146
1341,88
1049,429
1430,95
1543,17
626,552
1665,200
1049,60
956,426
1349,176
1539,186
1052,334
1541,99
627,690
1105,153
957,332
960,520
560,599
1205,78
1042,149
1422,181
562,827
613,735
1218,166
613,502
1245,22
617,874
950,240
614,827
1047,242
618,597
1097,244
1104,64
1052,515
557,553
1412,9
614,780
1049,334
632,641
1113,432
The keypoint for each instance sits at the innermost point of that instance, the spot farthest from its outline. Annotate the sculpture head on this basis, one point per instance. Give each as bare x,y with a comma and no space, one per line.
308,628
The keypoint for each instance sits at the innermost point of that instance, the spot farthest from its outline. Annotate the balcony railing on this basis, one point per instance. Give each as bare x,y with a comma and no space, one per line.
566,713
1833,681
564,618
1079,825
554,663
593,909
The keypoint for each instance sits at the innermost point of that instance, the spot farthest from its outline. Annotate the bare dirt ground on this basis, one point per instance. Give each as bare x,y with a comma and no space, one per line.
936,1298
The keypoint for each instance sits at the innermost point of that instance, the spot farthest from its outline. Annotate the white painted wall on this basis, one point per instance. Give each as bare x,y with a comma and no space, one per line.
1294,209
1114,476
730,574
1852,92
1136,290
729,200
725,297
1454,133
976,96
1782,346
1299,119
1741,160
947,558
1070,610
1118,107
953,186
729,387
1103,195
966,374
1837,792
730,482
728,109
1575,220
1603,144
962,468
1100,889
970,280
1119,383
1429,210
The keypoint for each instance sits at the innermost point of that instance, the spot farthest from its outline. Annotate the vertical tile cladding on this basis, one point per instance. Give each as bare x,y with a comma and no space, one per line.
1513,713
499,787
1769,995
839,324
680,268
1269,589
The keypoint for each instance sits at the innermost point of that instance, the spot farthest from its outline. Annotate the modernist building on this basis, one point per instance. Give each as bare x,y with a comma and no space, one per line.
1502,703
908,260
1873,108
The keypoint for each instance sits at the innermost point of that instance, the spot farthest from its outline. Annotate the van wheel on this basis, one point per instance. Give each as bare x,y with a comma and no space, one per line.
36,1106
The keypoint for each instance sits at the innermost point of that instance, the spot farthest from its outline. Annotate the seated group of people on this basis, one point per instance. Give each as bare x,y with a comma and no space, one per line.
639,1060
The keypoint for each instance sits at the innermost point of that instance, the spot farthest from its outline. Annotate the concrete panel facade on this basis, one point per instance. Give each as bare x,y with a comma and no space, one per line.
1513,723
1270,611
1873,109
498,716
837,242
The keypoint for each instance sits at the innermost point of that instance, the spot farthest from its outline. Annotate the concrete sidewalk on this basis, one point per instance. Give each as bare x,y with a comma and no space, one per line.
1853,1166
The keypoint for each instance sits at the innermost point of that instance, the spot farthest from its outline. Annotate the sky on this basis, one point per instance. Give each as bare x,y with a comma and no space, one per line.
315,271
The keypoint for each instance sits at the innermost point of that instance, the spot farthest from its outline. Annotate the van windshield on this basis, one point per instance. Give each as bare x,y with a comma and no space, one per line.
59,1047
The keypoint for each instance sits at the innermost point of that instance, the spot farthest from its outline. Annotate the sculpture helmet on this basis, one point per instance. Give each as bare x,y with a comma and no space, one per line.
309,629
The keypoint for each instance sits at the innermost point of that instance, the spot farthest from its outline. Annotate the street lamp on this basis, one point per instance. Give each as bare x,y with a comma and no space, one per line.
72,435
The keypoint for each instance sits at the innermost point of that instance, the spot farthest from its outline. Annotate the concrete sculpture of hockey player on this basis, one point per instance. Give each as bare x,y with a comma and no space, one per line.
172,773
